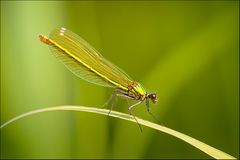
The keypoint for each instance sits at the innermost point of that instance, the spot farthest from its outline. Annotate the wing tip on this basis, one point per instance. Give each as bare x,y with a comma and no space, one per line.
44,39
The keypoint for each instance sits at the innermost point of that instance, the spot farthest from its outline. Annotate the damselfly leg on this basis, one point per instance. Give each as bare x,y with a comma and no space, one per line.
130,108
151,114
111,98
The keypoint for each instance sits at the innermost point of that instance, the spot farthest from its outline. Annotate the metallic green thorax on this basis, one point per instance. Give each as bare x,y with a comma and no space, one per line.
137,91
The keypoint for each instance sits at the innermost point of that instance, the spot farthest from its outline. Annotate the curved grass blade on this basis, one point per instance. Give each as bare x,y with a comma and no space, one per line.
211,151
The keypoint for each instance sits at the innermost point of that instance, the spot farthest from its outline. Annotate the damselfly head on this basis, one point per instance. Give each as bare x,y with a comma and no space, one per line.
153,97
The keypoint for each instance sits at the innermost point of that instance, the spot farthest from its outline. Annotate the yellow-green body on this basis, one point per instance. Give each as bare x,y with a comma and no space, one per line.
84,61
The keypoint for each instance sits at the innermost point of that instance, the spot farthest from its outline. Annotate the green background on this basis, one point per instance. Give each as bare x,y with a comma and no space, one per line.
187,52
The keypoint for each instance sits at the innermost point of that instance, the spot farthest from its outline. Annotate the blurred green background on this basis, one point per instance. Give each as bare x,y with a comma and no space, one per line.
187,52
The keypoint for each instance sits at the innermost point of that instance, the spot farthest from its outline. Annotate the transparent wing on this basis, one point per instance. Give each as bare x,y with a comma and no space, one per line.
84,61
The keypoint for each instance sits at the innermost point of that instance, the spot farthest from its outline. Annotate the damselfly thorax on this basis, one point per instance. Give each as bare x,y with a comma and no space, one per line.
135,90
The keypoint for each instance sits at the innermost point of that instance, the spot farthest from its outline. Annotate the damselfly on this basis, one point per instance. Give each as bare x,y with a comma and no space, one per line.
85,62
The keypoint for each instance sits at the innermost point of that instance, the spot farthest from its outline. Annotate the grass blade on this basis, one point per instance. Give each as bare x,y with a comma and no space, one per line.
211,151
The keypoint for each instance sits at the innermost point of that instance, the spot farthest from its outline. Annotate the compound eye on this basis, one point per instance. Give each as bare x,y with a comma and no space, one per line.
153,97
